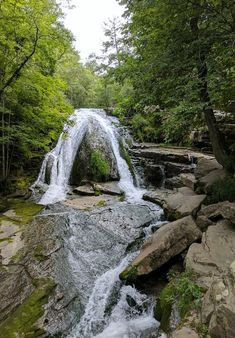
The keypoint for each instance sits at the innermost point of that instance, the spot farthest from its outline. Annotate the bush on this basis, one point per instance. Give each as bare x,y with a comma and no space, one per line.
222,190
99,166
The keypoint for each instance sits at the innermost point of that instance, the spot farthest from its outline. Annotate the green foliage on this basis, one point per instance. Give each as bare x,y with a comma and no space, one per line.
222,190
182,291
202,330
99,166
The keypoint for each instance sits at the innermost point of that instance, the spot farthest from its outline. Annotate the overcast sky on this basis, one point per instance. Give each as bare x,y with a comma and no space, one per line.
86,22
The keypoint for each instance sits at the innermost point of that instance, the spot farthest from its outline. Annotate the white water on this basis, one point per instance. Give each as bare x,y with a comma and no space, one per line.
97,248
125,320
60,159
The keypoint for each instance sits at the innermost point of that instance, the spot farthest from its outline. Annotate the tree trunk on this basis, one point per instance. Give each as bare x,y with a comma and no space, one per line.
217,140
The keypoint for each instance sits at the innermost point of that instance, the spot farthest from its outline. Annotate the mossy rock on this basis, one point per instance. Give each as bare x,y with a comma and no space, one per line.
23,321
129,274
163,308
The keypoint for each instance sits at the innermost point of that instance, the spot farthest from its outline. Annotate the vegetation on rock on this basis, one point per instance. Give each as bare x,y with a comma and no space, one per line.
22,322
181,291
99,166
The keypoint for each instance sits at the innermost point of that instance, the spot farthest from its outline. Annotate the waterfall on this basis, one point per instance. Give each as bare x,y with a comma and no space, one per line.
98,241
60,160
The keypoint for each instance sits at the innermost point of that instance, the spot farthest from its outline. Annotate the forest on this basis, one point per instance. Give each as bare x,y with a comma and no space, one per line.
166,69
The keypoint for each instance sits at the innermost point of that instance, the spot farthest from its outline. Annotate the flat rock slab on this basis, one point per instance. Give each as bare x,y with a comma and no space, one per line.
110,188
88,202
167,242
12,215
86,190
10,240
185,332
176,204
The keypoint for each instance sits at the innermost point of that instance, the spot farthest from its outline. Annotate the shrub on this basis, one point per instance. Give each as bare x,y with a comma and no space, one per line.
222,190
99,166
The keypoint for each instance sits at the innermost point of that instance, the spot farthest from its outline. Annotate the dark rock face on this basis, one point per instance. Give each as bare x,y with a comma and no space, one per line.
94,140
154,174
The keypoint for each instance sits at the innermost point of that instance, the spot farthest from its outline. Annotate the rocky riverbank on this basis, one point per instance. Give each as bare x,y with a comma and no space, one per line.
204,233
40,301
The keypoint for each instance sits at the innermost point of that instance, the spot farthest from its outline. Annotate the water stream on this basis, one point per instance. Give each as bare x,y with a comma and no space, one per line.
99,239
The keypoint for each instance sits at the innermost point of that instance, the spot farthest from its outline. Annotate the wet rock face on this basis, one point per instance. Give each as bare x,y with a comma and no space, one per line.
94,140
42,274
167,242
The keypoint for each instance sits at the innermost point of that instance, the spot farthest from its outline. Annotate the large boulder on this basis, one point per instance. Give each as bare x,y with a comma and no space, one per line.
176,204
214,254
205,165
167,242
213,212
95,140
213,262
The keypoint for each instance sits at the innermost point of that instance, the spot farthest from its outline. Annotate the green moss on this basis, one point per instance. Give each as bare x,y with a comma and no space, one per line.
99,166
122,197
101,203
125,155
18,256
39,253
22,323
164,307
129,274
24,209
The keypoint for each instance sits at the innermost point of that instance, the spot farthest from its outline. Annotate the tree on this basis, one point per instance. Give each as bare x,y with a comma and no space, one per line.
183,59
32,40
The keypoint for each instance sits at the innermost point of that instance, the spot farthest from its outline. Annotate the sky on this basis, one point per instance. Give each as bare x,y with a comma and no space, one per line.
86,20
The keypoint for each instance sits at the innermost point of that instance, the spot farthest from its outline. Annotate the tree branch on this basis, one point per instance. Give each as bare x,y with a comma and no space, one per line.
16,73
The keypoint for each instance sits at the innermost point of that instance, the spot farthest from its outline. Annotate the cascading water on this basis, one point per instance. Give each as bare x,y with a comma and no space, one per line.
99,239
60,160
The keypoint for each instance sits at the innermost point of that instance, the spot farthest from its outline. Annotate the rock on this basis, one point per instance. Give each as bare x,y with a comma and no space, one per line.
11,214
184,332
206,182
167,242
110,188
174,169
154,174
86,190
214,212
215,253
160,155
203,222
177,204
205,166
94,140
218,307
189,180
89,202
3,204
173,182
